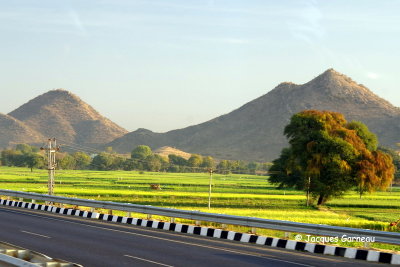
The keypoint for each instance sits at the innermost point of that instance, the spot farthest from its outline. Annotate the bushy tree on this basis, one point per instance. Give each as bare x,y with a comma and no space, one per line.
153,163
164,162
102,161
239,166
224,167
208,162
129,165
253,167
195,160
15,158
24,148
11,157
34,160
82,160
22,156
117,162
68,162
328,156
177,160
141,152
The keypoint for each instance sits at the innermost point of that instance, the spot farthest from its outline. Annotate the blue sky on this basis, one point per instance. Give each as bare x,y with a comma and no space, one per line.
163,65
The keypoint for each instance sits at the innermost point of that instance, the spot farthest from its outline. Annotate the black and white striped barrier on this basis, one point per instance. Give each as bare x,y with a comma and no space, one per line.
353,253
53,209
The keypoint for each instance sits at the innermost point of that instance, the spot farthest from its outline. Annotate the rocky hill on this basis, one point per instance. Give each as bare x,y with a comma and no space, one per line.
61,114
255,130
13,132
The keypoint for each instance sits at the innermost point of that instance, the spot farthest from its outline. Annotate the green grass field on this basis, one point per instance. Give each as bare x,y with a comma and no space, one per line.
235,194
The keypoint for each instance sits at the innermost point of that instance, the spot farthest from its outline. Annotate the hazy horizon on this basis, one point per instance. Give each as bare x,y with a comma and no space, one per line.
164,65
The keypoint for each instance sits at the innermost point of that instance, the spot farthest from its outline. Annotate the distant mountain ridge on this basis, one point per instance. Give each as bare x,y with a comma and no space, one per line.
61,114
252,132
255,130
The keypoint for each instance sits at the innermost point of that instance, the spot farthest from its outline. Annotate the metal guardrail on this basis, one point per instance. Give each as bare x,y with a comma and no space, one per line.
15,256
286,226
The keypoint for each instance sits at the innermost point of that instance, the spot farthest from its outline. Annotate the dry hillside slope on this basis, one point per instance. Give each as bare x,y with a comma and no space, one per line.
255,130
61,114
14,132
165,151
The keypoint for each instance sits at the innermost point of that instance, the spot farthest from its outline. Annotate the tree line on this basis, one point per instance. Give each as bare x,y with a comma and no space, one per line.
141,158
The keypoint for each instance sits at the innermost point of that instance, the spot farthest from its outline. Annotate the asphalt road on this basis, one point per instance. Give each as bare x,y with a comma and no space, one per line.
96,243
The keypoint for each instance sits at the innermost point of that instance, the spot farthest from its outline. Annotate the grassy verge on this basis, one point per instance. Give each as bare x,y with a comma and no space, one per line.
243,195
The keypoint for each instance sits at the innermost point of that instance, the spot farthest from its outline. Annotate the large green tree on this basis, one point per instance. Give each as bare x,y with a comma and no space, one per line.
177,160
208,162
154,163
328,156
82,160
34,160
195,160
141,152
102,161
68,162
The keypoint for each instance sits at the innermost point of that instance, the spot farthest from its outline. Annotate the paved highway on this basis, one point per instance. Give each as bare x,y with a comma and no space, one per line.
97,243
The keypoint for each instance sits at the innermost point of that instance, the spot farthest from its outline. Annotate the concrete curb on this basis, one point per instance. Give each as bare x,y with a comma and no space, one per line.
353,253
11,255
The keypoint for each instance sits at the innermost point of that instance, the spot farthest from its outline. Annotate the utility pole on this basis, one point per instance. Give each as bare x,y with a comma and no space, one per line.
51,150
209,189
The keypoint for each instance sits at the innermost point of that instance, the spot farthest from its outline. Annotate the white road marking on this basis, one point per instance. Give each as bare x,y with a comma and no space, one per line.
254,254
158,263
45,236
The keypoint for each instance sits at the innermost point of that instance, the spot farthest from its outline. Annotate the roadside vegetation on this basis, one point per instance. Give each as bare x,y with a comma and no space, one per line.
235,194
245,195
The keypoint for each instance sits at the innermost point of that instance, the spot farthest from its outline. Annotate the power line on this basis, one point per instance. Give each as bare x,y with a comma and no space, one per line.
79,146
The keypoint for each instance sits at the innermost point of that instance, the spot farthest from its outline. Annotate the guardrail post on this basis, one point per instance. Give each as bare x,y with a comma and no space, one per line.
21,199
253,230
33,201
224,226
128,214
110,212
172,220
197,223
91,209
149,217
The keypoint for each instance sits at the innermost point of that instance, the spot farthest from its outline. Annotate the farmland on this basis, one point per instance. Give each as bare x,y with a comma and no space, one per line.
235,194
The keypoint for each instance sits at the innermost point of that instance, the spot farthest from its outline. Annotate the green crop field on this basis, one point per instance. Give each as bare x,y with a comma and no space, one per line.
235,194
